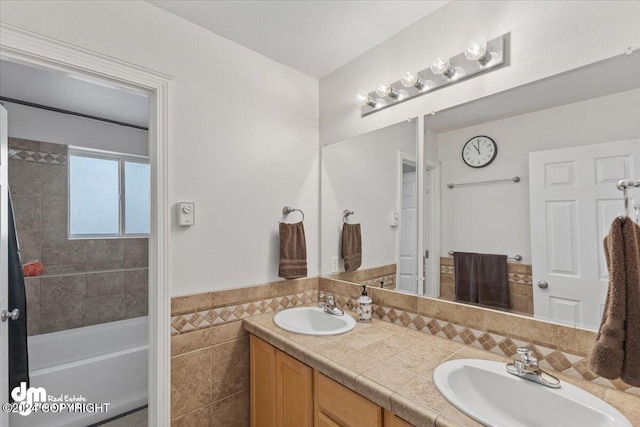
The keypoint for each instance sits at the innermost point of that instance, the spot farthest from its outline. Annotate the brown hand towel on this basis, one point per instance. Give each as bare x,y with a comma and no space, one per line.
491,280
351,246
293,251
463,274
616,353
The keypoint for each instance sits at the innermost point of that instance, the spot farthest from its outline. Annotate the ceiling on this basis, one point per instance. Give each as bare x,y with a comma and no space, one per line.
59,90
314,37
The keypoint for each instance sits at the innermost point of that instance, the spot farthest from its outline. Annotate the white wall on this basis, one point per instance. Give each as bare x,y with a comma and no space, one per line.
361,175
547,37
48,126
495,218
243,134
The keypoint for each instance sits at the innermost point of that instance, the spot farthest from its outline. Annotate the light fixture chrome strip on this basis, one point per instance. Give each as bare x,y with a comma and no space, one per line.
425,81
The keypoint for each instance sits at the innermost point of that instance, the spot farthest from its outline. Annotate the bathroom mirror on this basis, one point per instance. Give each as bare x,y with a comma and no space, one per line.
374,177
569,139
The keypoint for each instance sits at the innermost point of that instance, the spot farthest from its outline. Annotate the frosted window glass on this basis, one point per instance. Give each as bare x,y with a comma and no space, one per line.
137,193
93,196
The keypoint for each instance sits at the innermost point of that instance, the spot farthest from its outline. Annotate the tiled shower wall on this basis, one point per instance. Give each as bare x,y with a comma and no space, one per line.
86,281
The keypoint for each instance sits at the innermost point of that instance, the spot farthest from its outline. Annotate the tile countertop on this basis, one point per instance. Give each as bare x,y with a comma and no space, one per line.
393,366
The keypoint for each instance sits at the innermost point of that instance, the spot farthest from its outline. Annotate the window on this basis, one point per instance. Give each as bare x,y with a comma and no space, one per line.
109,194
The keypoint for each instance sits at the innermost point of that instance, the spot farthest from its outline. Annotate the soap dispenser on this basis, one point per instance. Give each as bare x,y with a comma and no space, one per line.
364,306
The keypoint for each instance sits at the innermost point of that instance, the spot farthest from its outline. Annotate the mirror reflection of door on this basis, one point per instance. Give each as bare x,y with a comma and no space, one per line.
573,189
407,280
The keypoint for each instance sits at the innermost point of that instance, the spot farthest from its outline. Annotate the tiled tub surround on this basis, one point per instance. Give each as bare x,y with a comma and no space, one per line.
392,366
559,348
68,301
376,277
520,285
210,349
86,281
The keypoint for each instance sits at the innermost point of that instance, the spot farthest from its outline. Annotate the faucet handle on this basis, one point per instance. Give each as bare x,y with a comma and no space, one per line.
330,301
322,299
527,356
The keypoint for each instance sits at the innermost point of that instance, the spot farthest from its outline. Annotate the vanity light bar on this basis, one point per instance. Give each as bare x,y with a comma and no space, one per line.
476,60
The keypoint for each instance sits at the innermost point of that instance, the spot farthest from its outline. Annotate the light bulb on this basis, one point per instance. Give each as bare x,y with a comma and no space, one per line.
477,51
411,80
384,90
442,66
363,98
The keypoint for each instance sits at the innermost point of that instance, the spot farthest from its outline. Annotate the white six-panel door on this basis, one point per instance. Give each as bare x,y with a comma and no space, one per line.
408,250
574,199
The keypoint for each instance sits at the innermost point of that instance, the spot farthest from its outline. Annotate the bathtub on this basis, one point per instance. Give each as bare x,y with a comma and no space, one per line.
104,363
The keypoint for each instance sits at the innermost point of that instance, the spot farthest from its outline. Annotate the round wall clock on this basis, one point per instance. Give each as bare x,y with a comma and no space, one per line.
479,151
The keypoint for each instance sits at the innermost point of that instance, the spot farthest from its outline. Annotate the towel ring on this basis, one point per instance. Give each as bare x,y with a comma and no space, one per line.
345,215
288,209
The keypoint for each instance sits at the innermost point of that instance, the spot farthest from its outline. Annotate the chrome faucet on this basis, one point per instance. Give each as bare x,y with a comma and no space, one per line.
328,304
527,367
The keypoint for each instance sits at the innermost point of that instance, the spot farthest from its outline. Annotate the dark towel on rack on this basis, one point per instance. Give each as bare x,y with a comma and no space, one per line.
351,246
491,280
617,348
18,355
293,251
463,273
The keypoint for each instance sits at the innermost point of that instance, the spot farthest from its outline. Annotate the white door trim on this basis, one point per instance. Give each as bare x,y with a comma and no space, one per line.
29,48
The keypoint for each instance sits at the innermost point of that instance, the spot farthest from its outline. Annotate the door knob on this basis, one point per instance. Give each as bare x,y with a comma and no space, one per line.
542,284
13,315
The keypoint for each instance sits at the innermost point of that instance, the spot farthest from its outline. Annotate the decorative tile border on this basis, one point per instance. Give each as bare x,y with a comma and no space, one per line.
548,358
183,323
38,156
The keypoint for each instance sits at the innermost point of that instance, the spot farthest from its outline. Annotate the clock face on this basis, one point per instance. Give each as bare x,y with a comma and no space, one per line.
479,151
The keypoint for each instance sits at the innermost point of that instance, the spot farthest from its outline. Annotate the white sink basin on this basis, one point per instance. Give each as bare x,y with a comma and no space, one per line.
313,321
487,393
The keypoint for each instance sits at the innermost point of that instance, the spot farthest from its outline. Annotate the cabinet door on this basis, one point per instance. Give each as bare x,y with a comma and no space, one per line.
336,405
262,383
391,420
294,391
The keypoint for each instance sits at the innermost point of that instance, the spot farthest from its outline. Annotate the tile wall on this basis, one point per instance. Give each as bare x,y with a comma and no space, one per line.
86,281
520,285
210,350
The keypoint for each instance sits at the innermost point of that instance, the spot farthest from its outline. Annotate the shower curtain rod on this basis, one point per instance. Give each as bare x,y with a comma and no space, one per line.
71,113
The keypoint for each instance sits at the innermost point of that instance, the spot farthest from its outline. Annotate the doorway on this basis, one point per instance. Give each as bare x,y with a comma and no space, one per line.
407,247
29,49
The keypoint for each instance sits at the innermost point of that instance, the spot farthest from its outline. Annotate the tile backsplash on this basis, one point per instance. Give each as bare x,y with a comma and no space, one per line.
559,348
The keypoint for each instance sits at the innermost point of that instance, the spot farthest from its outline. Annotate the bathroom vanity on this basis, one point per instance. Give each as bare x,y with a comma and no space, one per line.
378,374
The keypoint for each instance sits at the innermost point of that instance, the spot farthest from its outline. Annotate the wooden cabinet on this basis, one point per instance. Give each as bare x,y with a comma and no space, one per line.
391,420
262,383
281,388
336,405
294,391
287,393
